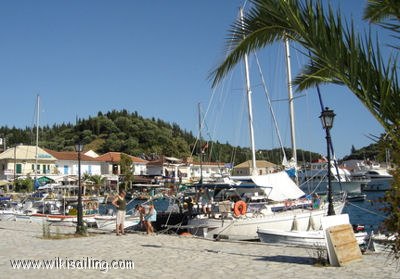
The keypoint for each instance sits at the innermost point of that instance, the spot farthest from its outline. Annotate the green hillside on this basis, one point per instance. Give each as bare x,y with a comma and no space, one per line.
122,131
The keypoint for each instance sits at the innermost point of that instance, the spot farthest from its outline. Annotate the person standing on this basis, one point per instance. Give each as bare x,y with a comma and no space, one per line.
120,203
148,214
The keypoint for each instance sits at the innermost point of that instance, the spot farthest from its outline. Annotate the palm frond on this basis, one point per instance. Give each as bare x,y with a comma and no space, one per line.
338,53
380,10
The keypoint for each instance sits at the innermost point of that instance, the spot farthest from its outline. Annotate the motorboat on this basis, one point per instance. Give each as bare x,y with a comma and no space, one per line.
379,178
314,179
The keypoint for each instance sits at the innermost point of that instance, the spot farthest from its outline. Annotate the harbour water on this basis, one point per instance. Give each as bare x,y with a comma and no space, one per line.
367,212
161,204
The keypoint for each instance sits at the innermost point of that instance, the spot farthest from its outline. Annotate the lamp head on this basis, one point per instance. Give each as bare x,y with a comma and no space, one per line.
327,116
78,147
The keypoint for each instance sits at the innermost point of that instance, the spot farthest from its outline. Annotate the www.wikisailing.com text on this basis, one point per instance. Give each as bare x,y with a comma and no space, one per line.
66,263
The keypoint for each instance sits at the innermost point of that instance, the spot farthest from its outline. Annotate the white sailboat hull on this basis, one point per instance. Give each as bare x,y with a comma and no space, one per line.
245,227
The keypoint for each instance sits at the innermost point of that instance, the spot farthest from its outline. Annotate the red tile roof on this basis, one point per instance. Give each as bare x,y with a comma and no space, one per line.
68,155
115,157
209,163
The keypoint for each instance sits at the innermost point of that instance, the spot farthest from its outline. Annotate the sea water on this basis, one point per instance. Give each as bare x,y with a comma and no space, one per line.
368,212
161,205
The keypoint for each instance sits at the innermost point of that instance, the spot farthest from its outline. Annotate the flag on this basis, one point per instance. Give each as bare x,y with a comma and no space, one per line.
204,147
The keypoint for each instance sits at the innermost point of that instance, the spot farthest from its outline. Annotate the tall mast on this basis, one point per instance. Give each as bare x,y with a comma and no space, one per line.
291,106
201,148
37,134
250,108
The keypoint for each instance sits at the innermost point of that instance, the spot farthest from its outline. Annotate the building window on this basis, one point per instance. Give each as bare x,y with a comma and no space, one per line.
115,169
19,168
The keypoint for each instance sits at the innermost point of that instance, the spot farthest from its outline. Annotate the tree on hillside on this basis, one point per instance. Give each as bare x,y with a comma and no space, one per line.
353,149
127,170
337,55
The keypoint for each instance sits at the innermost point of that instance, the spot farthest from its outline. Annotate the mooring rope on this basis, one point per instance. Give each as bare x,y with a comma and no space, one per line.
367,210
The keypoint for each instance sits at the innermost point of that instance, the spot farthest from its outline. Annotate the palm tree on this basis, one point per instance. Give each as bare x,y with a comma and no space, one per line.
337,54
98,182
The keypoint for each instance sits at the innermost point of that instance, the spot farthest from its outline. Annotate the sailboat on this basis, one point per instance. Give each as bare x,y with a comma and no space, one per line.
285,208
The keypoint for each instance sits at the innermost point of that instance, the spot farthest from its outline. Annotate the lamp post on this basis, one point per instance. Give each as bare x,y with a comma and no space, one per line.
79,228
327,116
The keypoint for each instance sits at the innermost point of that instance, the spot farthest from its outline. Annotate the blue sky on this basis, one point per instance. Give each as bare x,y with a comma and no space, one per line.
154,57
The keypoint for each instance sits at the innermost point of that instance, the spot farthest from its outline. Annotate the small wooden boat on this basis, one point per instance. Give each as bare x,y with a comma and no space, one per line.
302,238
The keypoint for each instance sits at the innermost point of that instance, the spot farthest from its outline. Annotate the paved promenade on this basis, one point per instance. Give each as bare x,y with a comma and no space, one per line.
166,256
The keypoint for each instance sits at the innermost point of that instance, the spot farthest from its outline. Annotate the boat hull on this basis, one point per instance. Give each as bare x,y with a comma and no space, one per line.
245,227
350,187
108,223
381,243
59,218
301,238
7,215
379,184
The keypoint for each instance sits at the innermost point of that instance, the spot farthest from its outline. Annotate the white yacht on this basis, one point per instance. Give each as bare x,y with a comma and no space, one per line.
314,179
379,177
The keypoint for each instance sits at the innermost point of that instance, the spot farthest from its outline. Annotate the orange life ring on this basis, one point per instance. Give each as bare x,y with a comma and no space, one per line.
240,208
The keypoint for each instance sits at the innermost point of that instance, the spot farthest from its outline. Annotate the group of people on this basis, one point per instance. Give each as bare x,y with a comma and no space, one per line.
148,214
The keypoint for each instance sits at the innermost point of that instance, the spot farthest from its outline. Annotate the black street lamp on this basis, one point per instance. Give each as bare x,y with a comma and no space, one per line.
79,228
327,116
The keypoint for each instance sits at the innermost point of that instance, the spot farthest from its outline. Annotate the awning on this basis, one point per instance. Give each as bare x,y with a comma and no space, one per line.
4,182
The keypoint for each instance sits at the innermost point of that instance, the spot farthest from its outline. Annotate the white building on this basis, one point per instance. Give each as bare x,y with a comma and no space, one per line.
67,163
165,166
263,167
21,161
207,170
111,160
